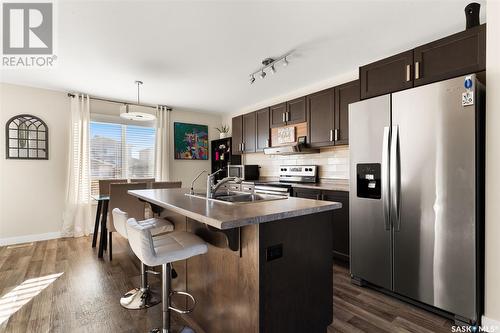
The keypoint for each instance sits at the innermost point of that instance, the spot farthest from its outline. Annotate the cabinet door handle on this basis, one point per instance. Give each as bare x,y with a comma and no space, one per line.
288,116
283,117
243,146
408,73
331,135
417,70
336,134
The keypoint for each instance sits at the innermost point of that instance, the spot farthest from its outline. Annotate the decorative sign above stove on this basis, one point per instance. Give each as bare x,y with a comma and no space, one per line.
286,134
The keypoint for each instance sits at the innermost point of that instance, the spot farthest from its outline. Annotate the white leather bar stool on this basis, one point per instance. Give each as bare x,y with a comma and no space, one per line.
142,297
164,250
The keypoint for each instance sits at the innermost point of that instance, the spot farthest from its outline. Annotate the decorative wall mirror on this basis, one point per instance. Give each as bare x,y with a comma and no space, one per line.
27,138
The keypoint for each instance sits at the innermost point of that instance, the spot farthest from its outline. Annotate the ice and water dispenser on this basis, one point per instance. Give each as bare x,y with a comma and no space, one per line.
368,181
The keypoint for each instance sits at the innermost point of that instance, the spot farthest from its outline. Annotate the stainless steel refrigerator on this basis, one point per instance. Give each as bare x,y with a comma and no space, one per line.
416,199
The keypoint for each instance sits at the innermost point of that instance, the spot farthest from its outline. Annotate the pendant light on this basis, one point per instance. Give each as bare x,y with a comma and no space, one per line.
137,116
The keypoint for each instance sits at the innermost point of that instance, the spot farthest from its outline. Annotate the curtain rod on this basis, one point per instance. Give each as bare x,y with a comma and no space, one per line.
120,102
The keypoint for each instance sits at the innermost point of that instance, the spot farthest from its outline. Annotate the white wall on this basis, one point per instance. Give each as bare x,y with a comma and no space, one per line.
32,193
185,170
492,310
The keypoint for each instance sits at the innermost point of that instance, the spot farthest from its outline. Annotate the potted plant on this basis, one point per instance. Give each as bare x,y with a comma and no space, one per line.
223,131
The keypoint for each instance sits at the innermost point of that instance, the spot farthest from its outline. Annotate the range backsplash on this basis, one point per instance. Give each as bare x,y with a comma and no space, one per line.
333,162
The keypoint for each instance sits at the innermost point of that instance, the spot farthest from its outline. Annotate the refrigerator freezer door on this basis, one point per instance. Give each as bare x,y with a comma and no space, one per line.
370,239
434,246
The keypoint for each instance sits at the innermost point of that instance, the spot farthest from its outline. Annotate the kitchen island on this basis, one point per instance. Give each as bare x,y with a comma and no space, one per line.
269,263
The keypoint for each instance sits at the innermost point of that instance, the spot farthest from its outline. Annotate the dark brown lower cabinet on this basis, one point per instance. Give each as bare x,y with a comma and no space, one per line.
340,223
340,219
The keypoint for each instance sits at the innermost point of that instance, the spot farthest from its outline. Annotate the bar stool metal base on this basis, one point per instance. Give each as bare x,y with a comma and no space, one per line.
167,293
139,298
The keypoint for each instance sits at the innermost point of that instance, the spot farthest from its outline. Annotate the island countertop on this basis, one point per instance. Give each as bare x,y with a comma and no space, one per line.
226,216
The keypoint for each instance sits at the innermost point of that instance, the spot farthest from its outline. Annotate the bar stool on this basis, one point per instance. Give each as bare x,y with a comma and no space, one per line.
164,250
142,297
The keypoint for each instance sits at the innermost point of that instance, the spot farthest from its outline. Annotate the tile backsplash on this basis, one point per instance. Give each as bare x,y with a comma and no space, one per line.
333,162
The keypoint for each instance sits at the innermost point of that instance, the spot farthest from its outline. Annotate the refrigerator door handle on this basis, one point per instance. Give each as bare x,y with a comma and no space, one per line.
395,179
385,176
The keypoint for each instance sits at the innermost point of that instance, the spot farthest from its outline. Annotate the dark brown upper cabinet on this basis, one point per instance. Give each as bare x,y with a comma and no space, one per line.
455,55
344,95
321,117
459,54
278,115
296,111
262,129
237,134
249,133
387,75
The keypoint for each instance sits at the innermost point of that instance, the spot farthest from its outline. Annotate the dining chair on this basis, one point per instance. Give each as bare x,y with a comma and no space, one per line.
103,190
119,198
148,181
104,184
172,184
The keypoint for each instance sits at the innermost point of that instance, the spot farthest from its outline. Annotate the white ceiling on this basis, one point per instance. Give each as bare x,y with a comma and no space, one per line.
197,55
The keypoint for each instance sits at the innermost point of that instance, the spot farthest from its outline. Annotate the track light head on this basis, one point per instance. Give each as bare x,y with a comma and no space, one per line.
252,79
273,70
285,62
262,74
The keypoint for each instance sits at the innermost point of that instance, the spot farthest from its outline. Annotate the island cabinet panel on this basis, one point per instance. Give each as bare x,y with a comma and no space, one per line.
344,95
387,75
237,134
320,120
249,132
455,55
225,284
263,129
296,291
296,111
340,223
278,115
279,281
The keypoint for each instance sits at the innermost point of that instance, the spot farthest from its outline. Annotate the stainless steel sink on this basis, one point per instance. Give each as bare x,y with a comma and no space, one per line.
238,197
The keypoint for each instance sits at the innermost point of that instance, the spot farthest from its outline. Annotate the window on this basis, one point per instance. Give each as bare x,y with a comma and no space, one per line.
120,151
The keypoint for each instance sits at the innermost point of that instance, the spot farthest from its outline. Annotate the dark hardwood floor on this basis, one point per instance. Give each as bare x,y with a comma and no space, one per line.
85,298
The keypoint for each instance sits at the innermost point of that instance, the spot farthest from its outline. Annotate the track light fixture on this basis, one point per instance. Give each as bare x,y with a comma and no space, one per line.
269,63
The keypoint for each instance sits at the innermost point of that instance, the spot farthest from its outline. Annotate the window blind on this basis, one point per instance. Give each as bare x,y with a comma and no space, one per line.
120,151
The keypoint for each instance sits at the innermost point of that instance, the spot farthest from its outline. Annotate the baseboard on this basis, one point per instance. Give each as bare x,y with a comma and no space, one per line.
489,324
29,238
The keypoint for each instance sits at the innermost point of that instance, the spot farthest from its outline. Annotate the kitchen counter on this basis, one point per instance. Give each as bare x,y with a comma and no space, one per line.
222,215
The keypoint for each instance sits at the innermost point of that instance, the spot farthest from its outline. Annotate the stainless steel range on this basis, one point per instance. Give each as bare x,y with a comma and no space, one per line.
288,175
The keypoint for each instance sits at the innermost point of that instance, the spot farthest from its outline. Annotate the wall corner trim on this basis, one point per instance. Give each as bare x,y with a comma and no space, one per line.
489,324
29,238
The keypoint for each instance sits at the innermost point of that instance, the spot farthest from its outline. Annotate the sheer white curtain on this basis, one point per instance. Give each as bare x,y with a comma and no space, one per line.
163,143
77,218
